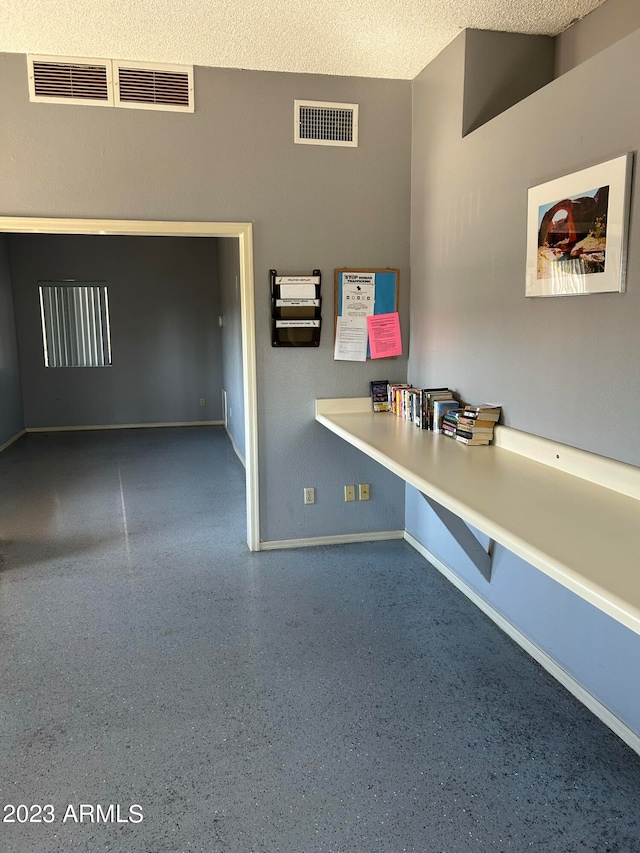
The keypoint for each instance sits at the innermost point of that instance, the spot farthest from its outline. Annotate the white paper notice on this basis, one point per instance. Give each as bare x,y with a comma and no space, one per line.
351,339
298,291
358,294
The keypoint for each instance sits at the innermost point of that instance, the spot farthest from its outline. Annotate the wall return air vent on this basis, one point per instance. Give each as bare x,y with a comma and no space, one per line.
57,79
325,123
153,87
109,83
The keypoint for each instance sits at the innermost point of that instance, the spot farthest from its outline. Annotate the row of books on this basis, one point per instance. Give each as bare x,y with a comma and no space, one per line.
471,424
436,409
423,407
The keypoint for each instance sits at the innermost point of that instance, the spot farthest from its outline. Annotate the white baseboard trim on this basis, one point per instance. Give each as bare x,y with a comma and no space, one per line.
343,539
235,447
11,440
574,687
122,426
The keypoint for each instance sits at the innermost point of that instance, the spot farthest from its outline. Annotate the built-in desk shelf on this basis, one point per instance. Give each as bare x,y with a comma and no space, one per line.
572,514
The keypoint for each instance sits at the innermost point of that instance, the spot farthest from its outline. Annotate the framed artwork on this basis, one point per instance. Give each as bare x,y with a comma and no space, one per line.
577,231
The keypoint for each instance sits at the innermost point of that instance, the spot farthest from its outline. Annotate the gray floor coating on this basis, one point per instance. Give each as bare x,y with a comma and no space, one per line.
333,699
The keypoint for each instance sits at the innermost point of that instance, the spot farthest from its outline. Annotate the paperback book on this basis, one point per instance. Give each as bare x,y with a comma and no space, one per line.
380,395
440,409
472,441
485,412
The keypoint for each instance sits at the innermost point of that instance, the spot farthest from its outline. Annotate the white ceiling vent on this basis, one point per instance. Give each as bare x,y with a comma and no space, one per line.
57,79
139,85
324,123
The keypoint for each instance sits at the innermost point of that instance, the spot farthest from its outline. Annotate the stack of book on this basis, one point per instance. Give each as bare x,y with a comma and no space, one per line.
424,407
417,404
471,424
403,400
435,402
395,394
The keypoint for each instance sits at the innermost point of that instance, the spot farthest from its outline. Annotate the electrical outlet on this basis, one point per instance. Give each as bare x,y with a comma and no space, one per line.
349,493
363,492
202,401
309,495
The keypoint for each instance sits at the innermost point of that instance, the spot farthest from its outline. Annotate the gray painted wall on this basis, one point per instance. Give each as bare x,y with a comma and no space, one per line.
11,418
601,28
513,66
540,357
312,206
230,309
163,301
543,359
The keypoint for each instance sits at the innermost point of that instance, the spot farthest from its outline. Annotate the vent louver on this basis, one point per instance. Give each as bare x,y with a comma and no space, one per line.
325,123
164,87
61,80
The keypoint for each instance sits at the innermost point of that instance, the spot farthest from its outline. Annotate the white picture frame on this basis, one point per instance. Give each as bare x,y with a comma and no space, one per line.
577,231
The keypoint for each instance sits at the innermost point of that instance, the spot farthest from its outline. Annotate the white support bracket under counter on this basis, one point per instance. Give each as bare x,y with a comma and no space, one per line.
572,514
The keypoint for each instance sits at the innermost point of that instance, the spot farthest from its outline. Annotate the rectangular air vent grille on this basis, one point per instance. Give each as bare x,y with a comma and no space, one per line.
110,82
154,87
324,123
61,80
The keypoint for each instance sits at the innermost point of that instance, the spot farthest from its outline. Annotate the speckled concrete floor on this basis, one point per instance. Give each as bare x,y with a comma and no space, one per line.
329,700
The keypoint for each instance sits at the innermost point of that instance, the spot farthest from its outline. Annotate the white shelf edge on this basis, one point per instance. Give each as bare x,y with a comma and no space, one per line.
342,405
609,473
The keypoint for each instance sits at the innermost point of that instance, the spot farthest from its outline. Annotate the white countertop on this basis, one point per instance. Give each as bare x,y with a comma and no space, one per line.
583,534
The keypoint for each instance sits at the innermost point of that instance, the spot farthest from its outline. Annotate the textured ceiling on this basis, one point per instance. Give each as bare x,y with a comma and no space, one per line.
370,38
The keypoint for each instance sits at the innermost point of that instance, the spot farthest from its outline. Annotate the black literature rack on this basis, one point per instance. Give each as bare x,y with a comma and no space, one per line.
295,309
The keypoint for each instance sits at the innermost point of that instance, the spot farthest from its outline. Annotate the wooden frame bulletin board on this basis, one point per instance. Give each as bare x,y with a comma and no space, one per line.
386,292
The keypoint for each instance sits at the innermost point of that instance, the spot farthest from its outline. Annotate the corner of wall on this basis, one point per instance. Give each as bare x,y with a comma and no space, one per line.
607,24
500,70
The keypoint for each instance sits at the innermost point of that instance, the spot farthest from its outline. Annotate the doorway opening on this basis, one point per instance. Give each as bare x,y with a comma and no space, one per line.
243,231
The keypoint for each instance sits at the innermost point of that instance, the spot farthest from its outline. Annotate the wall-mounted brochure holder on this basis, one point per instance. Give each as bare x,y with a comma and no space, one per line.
295,309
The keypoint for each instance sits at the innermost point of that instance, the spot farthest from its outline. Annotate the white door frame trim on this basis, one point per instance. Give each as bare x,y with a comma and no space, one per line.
152,228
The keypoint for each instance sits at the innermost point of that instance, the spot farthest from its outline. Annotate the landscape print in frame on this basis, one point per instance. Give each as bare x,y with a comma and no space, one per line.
577,231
